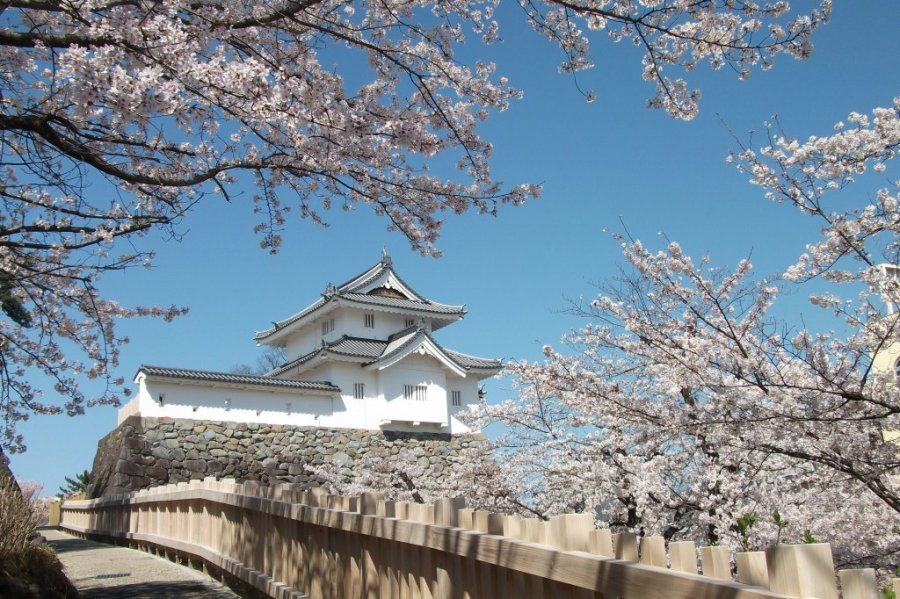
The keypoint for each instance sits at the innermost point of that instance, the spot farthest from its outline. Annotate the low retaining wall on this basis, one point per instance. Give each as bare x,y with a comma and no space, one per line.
292,544
146,452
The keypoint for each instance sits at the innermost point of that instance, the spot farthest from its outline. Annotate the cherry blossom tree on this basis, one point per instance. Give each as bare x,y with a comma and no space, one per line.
687,408
119,117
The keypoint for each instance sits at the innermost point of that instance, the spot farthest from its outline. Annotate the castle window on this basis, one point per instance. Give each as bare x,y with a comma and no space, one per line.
456,398
370,321
327,326
414,392
359,390
409,322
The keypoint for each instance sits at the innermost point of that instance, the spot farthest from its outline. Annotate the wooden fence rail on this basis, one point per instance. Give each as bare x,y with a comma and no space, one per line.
289,543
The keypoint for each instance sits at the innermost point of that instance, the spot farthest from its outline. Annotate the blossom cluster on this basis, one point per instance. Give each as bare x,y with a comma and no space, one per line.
686,407
118,117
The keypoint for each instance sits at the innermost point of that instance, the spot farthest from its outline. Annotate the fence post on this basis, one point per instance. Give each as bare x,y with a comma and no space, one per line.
751,568
653,551
802,570
421,512
385,509
534,530
625,546
716,562
684,556
368,503
570,531
512,527
858,584
465,519
600,542
446,511
479,520
401,510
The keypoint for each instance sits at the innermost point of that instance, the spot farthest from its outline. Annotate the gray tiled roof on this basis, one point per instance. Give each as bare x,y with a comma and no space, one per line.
396,302
361,280
238,379
374,350
292,319
468,361
354,347
400,341
349,292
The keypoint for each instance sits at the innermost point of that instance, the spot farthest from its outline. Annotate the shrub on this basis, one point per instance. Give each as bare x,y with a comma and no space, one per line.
17,519
27,569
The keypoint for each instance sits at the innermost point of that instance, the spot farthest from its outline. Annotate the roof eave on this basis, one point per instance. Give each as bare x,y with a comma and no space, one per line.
180,380
280,331
420,340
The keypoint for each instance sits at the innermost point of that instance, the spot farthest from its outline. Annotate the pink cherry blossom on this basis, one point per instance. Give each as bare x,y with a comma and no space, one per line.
118,118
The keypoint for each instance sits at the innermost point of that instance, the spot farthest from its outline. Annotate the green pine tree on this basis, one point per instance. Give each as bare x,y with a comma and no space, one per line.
78,484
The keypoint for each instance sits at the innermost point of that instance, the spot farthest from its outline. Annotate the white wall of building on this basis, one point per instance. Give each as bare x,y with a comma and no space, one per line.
347,321
384,406
202,402
415,370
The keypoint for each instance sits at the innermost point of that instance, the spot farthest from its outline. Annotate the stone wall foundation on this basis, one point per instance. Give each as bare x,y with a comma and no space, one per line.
146,452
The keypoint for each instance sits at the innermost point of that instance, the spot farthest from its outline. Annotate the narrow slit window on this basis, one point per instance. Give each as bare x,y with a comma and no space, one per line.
414,392
410,322
359,390
327,326
370,321
456,398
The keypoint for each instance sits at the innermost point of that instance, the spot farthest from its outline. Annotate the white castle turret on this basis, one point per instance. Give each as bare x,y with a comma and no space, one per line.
362,356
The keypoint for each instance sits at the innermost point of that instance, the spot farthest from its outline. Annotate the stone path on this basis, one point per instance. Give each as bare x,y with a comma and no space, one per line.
101,571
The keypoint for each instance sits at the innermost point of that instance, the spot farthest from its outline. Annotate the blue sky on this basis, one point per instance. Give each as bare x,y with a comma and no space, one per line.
600,164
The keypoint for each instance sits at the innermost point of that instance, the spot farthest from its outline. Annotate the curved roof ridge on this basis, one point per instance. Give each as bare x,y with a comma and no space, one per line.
231,377
413,338
355,283
333,347
402,333
350,291
280,324
427,305
475,361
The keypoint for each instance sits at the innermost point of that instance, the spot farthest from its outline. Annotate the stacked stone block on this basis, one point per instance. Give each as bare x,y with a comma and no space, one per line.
145,452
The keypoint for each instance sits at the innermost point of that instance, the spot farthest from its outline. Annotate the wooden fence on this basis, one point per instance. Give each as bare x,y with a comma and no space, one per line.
292,544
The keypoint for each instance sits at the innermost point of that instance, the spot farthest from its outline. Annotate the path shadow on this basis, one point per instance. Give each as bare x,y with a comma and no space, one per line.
152,590
73,544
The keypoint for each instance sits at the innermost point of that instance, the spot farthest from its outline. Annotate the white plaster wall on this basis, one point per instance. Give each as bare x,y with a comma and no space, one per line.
354,412
883,363
384,399
386,324
468,388
129,409
414,370
884,360
347,321
309,337
303,341
202,402
351,321
376,408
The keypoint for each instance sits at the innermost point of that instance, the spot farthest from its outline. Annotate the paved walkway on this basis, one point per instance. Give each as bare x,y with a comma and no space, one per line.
101,571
